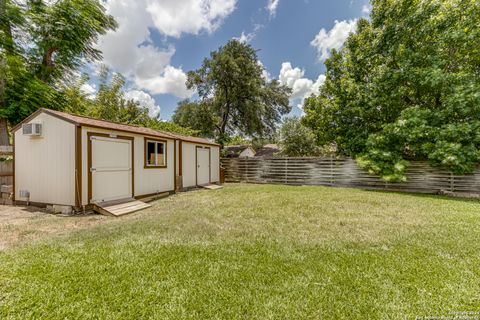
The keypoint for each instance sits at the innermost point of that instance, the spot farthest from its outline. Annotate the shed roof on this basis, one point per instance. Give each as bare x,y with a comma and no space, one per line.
268,150
104,124
236,150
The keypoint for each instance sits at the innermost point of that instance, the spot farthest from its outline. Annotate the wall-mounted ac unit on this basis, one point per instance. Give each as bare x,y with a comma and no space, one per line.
32,129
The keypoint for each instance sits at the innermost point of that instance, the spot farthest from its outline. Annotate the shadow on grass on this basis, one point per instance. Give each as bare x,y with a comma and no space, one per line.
457,198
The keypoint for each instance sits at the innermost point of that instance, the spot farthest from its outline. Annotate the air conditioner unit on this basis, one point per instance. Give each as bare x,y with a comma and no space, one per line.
32,129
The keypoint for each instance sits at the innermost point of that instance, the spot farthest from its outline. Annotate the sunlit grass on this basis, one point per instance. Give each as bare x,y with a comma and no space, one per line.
256,252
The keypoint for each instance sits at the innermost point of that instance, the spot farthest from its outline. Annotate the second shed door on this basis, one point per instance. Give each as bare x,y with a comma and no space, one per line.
203,166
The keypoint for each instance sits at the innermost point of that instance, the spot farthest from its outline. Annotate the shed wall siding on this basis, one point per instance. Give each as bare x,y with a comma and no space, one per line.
45,166
146,181
189,165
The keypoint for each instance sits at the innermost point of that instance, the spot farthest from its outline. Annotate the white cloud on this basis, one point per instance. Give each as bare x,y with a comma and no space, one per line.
89,89
318,84
171,81
272,7
144,100
120,47
265,74
366,9
294,79
325,40
131,51
302,87
173,17
245,37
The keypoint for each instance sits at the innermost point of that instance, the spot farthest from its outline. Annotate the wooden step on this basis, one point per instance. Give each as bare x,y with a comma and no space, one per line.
212,186
120,207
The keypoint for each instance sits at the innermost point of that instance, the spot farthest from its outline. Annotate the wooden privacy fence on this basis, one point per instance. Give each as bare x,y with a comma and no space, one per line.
344,172
6,165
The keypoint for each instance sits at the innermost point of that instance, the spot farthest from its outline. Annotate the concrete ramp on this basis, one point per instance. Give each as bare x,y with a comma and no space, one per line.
212,186
121,207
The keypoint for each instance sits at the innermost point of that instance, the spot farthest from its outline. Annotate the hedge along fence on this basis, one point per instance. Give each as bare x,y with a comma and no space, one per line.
344,172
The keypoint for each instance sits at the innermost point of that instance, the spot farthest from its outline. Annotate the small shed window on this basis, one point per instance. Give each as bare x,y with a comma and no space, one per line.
155,153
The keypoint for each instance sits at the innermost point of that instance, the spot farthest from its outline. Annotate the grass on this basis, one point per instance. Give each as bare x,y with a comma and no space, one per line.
256,252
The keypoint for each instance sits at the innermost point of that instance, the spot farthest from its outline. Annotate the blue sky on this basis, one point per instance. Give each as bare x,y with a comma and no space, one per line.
158,41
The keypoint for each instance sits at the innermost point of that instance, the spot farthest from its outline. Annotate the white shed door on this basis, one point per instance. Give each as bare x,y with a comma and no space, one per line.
203,166
111,169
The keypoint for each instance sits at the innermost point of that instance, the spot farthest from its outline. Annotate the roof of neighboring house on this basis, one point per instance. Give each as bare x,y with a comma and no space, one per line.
268,150
235,151
104,124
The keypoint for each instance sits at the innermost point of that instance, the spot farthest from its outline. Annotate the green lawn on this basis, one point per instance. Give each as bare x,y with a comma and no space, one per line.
256,252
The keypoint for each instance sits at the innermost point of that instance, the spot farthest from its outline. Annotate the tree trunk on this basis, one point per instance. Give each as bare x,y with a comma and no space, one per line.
4,139
9,48
48,57
224,122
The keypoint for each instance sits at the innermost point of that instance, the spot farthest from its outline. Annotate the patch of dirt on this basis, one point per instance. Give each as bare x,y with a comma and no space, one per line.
20,224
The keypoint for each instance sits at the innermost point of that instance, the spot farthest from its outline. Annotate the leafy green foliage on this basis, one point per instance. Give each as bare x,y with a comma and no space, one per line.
238,140
109,103
65,34
170,126
196,115
24,93
41,45
405,87
297,140
238,97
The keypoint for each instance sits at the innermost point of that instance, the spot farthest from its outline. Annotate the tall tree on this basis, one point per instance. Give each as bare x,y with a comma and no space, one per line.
8,15
296,139
230,81
41,45
405,87
109,102
197,115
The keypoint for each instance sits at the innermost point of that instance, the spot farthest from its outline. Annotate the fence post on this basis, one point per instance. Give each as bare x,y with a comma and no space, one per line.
286,169
332,182
452,183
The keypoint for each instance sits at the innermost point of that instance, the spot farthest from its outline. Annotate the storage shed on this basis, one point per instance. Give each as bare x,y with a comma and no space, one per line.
70,160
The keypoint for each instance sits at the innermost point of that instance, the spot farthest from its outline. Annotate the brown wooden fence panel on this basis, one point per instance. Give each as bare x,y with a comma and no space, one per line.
6,165
344,172
6,172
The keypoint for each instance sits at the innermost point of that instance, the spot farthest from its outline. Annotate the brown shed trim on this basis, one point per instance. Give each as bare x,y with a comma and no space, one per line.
110,125
14,157
36,113
89,154
148,195
31,204
209,164
180,157
165,142
175,165
147,134
78,166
